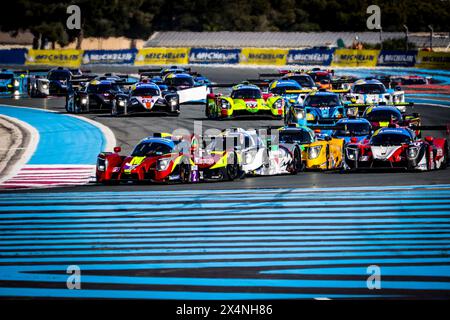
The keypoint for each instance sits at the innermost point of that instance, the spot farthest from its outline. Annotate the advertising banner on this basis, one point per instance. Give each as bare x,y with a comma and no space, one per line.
433,60
263,56
159,56
109,56
310,57
13,56
397,58
355,58
207,56
64,58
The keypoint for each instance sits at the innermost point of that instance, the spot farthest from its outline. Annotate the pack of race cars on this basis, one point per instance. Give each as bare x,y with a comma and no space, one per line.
331,122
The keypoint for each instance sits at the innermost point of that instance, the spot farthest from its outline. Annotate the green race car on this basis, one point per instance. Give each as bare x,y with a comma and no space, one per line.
245,100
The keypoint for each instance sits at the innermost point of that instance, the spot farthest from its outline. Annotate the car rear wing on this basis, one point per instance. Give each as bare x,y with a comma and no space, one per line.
299,91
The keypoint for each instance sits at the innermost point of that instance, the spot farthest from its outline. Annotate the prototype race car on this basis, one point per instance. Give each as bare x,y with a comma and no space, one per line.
352,130
384,116
318,151
53,82
322,78
398,148
290,90
319,108
95,95
11,83
264,155
303,79
166,158
373,92
245,100
146,97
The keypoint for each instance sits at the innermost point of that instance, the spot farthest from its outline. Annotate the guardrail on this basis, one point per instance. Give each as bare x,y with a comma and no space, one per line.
243,56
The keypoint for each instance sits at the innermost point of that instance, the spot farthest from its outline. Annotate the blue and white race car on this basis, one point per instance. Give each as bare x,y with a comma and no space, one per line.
374,92
12,83
352,130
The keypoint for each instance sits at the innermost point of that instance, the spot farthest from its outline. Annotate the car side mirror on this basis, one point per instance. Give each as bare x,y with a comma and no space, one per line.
117,149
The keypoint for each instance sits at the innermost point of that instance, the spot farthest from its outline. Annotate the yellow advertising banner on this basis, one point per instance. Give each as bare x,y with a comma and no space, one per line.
355,58
263,56
63,58
160,56
433,60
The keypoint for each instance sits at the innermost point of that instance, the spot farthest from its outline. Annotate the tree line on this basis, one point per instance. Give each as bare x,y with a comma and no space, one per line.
138,19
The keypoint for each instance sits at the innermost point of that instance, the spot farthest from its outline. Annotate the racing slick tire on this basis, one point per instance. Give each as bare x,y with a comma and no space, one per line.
185,173
232,169
297,164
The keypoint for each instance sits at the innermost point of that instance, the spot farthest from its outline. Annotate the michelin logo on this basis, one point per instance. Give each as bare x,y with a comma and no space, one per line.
213,56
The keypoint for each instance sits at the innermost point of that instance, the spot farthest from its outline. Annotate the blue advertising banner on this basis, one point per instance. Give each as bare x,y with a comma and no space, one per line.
397,58
310,57
13,56
203,55
109,56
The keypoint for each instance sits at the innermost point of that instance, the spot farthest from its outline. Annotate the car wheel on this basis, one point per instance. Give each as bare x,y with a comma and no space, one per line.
185,173
297,165
233,167
446,157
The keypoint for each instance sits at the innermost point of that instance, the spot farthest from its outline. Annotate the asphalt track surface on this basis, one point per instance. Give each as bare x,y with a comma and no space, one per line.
314,235
129,130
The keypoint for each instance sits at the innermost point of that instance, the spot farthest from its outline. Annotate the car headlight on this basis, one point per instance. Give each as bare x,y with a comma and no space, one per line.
173,102
310,116
44,86
299,113
163,164
412,152
121,103
225,104
16,83
278,104
351,153
314,152
84,101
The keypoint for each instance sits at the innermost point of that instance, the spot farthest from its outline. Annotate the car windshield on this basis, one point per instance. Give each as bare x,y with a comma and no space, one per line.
246,94
369,88
102,88
383,115
322,100
6,76
390,139
140,92
282,90
295,136
303,80
151,149
188,82
59,75
358,129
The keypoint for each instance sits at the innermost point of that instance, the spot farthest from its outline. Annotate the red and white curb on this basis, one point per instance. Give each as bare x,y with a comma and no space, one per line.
46,176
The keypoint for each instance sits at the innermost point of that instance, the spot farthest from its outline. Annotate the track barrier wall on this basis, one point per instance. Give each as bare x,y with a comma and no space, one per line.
243,56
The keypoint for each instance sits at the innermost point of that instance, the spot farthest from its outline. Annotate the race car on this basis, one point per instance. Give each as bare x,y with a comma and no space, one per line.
398,148
373,92
11,83
318,108
319,152
53,82
96,94
165,158
290,90
384,116
190,86
322,78
303,79
146,97
264,155
245,100
352,130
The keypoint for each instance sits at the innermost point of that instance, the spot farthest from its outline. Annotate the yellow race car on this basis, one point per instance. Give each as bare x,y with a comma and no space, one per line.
318,152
